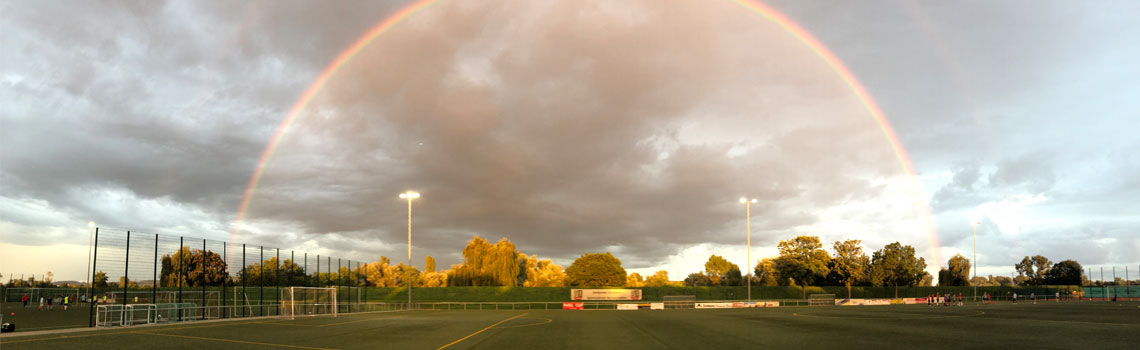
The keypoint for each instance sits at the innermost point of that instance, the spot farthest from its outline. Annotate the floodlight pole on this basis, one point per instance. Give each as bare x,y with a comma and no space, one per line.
409,195
975,225
90,233
748,250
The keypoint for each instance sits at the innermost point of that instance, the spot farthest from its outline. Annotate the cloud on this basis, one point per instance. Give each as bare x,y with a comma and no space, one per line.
630,127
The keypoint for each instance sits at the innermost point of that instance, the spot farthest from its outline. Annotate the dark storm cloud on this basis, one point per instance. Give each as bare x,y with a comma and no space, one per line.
162,100
574,133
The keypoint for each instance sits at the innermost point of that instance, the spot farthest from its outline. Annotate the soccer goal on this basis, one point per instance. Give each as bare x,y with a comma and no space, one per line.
821,300
680,301
13,295
307,301
125,315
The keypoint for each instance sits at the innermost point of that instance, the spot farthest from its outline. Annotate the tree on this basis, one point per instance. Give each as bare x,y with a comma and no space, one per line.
1067,272
717,267
544,274
193,268
429,263
896,265
100,279
596,270
485,264
981,282
1034,269
658,279
634,280
698,279
803,260
850,263
722,272
957,272
1001,281
765,273
268,272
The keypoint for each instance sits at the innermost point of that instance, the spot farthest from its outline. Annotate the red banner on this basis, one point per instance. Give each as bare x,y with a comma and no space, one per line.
572,306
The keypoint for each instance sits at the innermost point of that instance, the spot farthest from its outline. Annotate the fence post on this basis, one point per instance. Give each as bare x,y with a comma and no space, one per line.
318,271
154,287
261,281
90,287
226,279
244,277
181,273
203,298
277,278
126,269
339,279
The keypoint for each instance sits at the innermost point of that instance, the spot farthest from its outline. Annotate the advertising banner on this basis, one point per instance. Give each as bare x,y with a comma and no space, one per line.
657,306
605,294
898,301
714,305
767,304
627,306
859,302
741,305
572,306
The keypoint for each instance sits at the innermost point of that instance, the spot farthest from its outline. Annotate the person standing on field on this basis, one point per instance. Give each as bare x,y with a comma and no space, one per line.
1015,298
25,300
49,303
41,303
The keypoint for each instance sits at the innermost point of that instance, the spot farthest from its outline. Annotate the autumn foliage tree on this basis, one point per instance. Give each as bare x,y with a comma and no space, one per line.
765,273
658,279
596,270
193,267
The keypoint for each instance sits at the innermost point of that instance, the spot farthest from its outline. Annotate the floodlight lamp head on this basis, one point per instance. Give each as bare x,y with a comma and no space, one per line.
90,224
753,200
742,200
409,195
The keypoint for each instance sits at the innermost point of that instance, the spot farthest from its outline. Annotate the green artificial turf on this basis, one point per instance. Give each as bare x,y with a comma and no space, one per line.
1099,325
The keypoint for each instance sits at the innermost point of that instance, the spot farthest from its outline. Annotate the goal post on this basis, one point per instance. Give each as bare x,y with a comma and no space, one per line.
307,301
679,301
821,300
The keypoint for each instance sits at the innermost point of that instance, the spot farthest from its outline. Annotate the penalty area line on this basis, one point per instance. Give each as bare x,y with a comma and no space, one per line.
480,331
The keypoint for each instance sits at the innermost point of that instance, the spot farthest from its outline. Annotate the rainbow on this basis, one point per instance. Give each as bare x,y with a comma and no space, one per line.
763,10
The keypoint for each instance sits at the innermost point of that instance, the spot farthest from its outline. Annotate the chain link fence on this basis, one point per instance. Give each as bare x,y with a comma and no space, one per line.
151,277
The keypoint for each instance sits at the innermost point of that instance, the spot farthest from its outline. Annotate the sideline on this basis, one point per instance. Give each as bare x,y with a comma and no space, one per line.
480,331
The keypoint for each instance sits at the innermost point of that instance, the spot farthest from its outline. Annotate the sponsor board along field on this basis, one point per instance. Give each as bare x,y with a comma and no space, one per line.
1099,325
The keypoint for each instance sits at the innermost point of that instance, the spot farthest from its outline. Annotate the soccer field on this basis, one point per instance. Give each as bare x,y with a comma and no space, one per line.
1100,325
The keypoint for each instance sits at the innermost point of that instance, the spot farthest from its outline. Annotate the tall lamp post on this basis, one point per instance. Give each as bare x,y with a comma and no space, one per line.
748,217
409,195
90,232
975,225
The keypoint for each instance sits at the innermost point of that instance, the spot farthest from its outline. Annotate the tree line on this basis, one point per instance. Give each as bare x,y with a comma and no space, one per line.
802,261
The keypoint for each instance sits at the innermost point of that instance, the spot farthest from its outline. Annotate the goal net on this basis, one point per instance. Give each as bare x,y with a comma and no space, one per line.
14,295
679,301
307,301
821,300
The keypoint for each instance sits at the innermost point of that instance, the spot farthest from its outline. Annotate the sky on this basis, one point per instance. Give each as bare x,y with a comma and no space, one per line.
571,127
